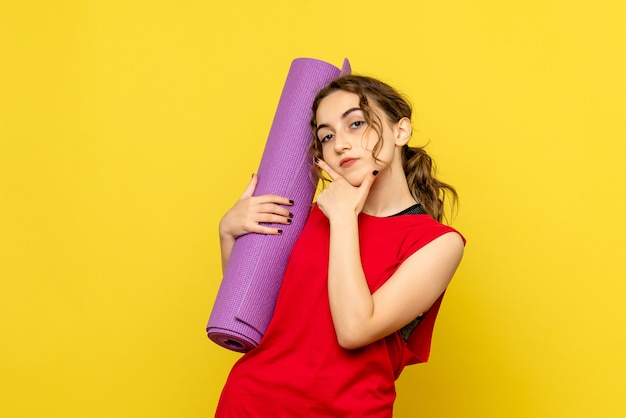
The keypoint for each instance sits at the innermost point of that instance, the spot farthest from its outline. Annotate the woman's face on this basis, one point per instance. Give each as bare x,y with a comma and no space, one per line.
347,140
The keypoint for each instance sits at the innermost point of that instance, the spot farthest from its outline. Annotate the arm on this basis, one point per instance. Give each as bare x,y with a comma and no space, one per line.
360,317
246,214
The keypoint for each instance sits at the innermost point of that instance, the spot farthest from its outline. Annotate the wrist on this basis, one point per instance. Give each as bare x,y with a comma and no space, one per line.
225,236
343,219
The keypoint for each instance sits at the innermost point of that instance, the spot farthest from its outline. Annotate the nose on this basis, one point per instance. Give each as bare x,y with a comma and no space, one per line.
342,142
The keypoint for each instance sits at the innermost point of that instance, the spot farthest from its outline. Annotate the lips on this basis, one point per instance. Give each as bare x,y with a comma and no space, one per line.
347,162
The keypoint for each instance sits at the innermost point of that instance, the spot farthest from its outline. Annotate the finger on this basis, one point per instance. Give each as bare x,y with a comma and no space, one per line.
332,173
272,209
250,187
272,198
369,179
265,230
269,218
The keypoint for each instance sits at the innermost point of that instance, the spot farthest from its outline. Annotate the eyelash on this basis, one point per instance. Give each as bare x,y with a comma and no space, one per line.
358,124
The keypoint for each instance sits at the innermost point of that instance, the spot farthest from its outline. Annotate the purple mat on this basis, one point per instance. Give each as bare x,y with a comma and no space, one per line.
245,301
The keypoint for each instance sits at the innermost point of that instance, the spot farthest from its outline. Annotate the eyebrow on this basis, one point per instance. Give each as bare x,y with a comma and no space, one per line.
343,116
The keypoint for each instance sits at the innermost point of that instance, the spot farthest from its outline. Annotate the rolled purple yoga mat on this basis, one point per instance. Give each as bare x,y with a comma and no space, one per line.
245,301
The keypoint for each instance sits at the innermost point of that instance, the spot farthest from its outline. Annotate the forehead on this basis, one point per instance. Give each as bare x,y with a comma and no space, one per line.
334,105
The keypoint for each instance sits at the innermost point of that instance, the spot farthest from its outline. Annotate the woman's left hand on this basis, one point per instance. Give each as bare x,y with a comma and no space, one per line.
340,198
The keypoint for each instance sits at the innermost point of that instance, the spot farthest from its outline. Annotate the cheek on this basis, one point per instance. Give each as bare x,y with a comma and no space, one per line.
369,139
386,152
326,152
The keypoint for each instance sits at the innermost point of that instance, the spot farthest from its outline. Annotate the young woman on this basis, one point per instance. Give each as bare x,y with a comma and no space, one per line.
366,276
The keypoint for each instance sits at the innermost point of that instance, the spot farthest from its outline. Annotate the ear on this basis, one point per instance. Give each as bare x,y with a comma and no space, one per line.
403,131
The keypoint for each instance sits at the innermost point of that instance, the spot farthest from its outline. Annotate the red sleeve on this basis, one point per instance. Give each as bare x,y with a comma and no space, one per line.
418,345
417,348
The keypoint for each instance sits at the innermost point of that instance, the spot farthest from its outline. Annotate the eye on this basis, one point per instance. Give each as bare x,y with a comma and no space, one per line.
357,124
326,138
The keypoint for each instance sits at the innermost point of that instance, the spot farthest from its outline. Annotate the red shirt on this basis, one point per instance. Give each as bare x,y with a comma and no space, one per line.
299,369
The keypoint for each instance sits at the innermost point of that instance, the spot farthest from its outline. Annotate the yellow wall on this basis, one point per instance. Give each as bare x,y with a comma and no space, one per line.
128,127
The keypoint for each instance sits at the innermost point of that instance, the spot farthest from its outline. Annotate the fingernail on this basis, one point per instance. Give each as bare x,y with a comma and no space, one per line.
375,172
290,202
288,220
290,215
317,160
280,231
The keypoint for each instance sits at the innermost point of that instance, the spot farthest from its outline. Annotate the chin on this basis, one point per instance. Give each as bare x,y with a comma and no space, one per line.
355,180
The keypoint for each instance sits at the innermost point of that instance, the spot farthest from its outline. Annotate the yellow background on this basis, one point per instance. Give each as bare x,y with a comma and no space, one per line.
128,127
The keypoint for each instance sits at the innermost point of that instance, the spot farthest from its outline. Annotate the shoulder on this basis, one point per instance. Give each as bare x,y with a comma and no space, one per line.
421,230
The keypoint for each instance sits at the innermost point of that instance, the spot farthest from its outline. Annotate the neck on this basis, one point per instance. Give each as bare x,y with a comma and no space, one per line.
389,194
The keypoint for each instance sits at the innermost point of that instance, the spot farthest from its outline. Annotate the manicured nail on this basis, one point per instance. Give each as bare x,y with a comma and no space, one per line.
290,202
375,172
280,231
288,220
317,160
290,215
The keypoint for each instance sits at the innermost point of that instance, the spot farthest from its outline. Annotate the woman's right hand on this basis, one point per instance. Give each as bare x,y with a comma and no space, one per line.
249,212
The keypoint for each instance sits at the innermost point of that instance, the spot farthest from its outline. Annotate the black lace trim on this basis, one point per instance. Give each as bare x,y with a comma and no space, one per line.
416,209
408,329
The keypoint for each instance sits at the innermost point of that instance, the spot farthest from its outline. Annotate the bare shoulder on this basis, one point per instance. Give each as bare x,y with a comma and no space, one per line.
448,245
450,241
427,272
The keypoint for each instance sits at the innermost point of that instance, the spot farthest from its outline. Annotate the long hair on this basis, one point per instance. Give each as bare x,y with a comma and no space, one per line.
419,168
